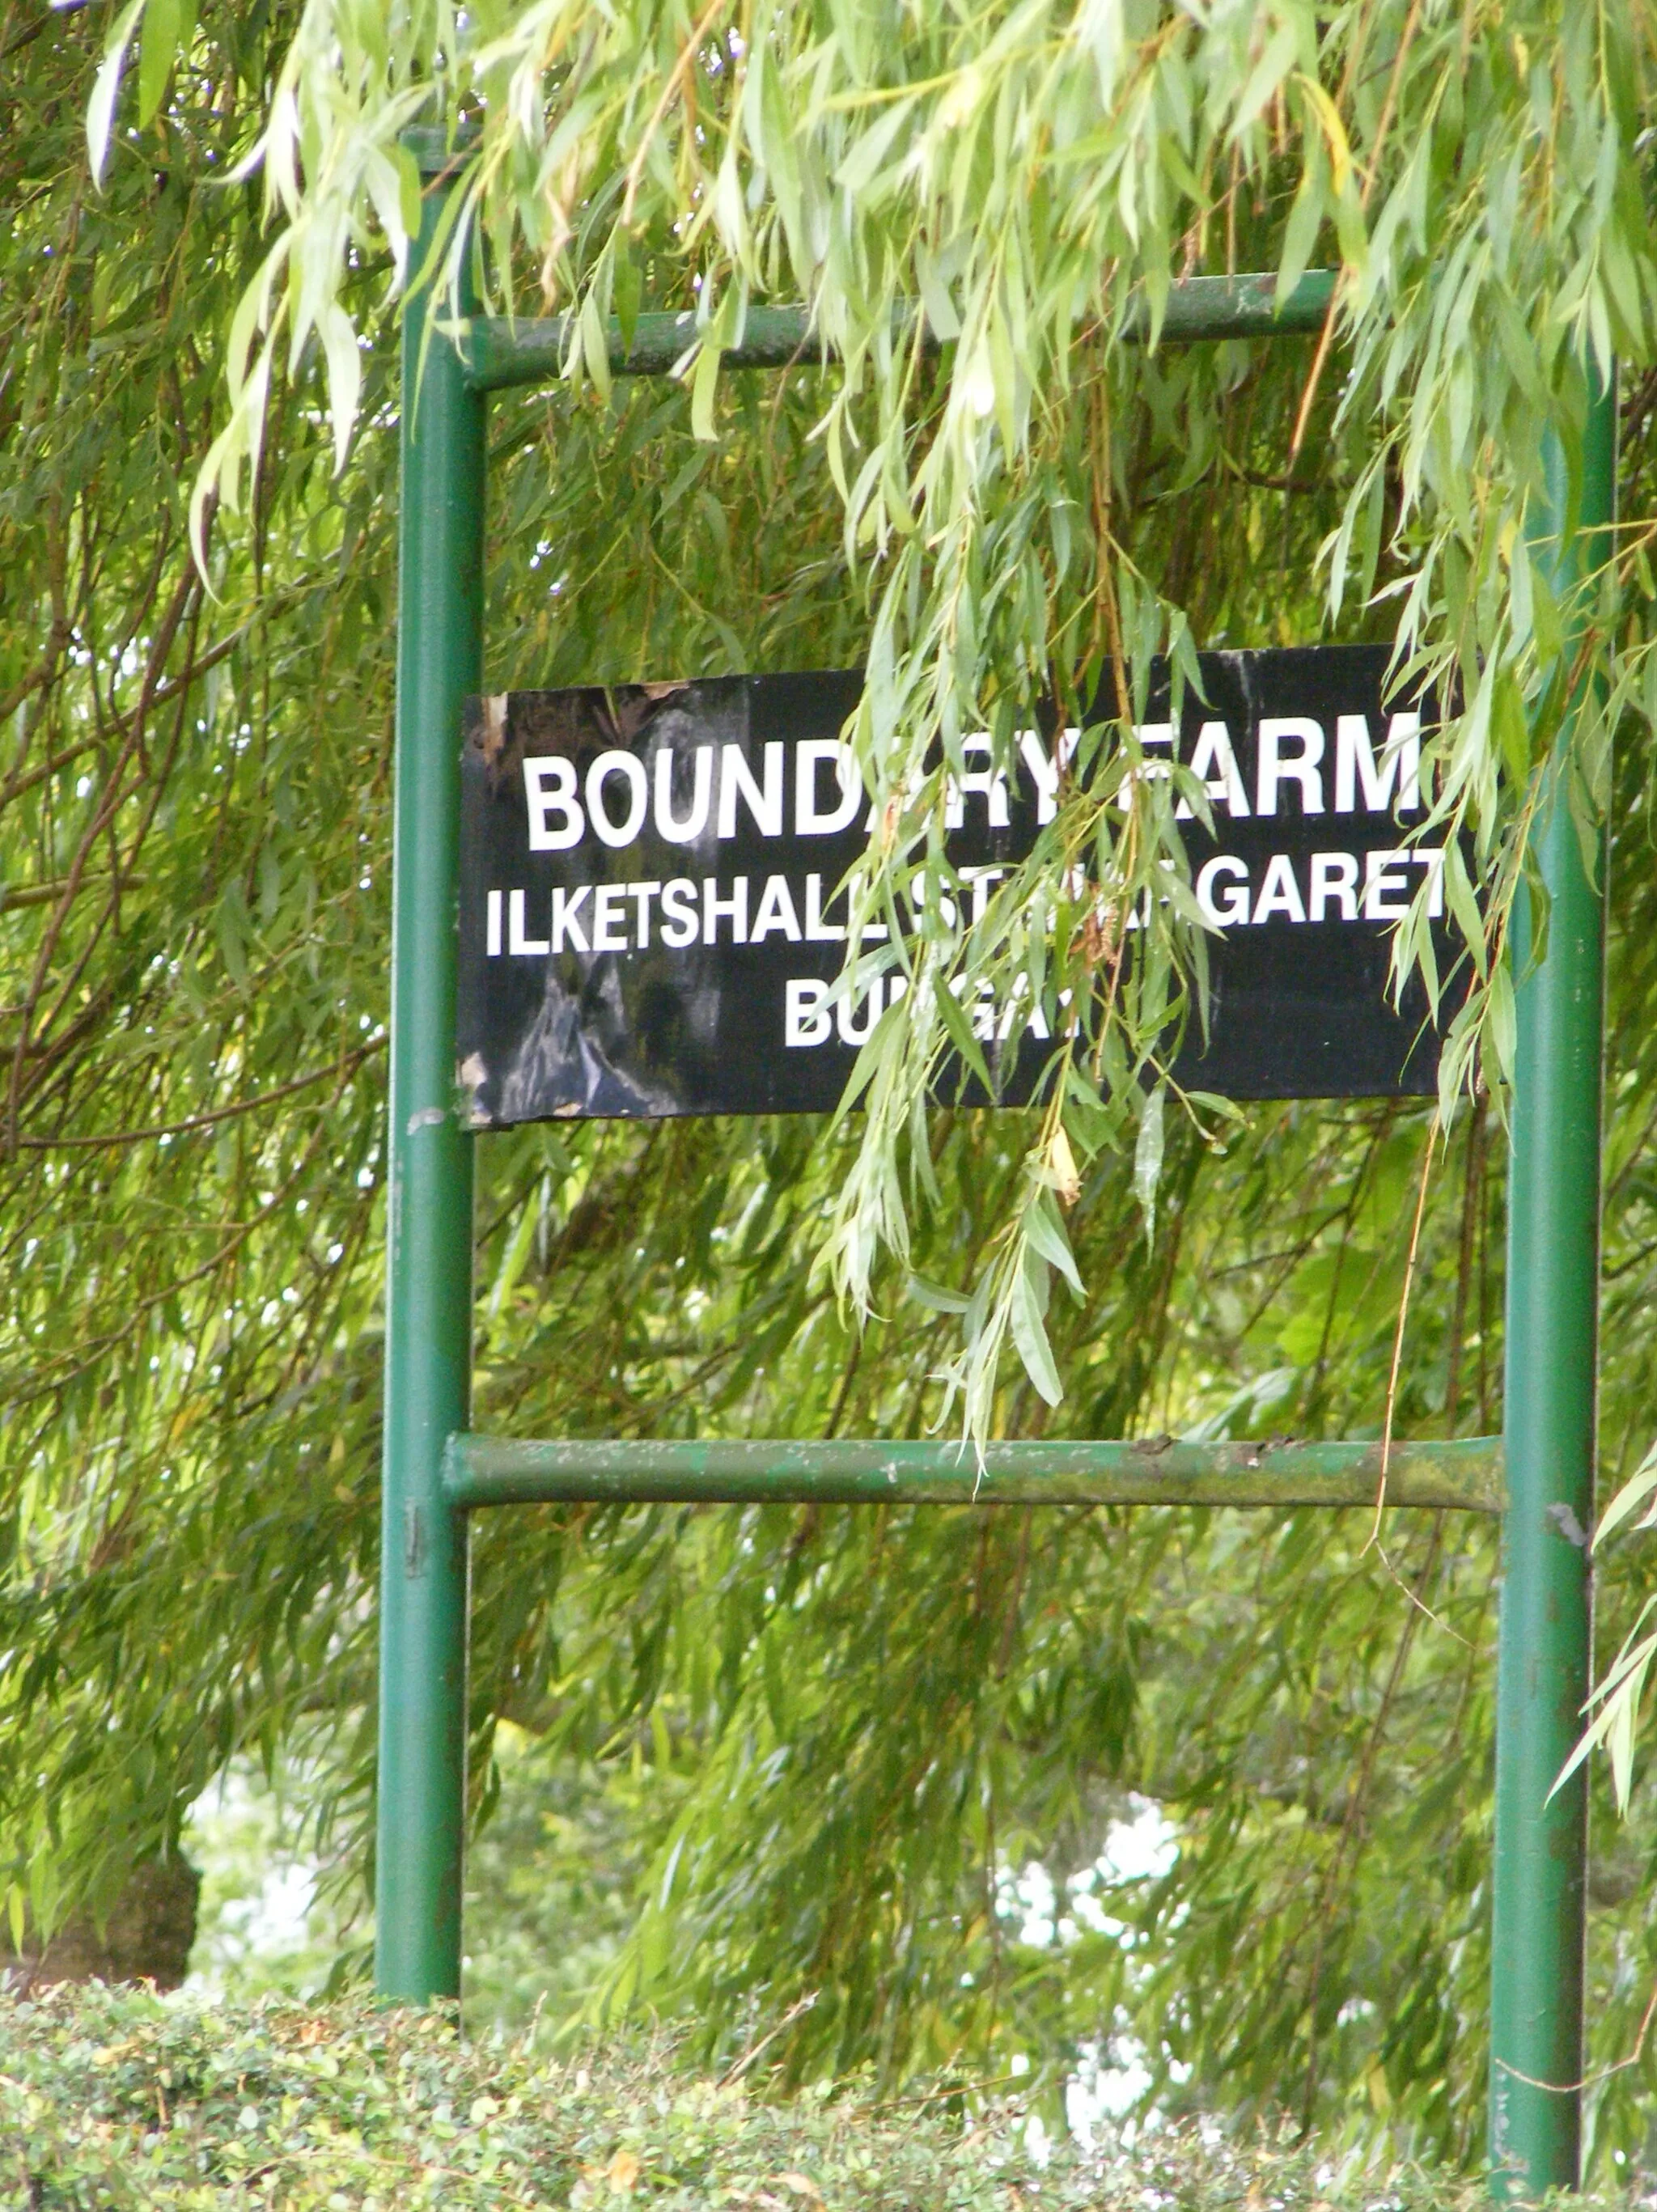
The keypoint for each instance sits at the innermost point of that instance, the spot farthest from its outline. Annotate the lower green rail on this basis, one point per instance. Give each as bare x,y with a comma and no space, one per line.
1464,1475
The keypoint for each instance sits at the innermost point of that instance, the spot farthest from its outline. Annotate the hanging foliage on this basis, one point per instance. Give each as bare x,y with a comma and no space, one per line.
1024,187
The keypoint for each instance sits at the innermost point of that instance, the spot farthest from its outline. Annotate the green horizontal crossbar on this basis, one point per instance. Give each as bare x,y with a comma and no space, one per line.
495,353
1464,1475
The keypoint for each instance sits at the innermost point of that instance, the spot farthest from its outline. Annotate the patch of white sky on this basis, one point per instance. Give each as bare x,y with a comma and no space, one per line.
1114,2076
259,1894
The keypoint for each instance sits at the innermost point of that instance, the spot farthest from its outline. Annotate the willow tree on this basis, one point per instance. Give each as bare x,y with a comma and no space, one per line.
826,1743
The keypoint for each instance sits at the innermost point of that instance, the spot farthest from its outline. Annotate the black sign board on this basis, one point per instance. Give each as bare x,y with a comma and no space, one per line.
649,922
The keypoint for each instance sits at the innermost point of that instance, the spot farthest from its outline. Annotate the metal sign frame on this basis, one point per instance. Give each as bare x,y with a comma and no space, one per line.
1538,1474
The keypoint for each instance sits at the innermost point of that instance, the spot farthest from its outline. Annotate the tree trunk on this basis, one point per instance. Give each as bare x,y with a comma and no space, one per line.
145,1936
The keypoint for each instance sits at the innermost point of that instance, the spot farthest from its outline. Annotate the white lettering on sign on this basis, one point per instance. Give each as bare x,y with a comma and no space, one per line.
621,794
817,931
1386,886
672,831
1223,887
595,917
989,781
681,923
566,907
608,900
1046,768
716,910
804,1020
549,786
763,800
1279,892
810,757
517,941
1155,770
641,895
850,1030
1157,734
1431,857
813,1015
631,770
979,881
1334,878
1300,767
1400,763
776,912
1215,766
1225,879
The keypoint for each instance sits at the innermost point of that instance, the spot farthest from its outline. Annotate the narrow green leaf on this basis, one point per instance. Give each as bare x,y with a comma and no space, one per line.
164,29
1030,1334
1046,1231
100,108
704,384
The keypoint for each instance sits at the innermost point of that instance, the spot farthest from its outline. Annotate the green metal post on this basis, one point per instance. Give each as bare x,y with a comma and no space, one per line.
1553,1324
422,1622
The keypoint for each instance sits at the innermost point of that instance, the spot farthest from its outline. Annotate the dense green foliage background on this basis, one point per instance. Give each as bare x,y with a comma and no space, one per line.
798,1754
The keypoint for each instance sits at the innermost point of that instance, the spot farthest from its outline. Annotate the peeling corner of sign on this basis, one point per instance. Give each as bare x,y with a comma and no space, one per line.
1567,1525
494,726
469,1077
